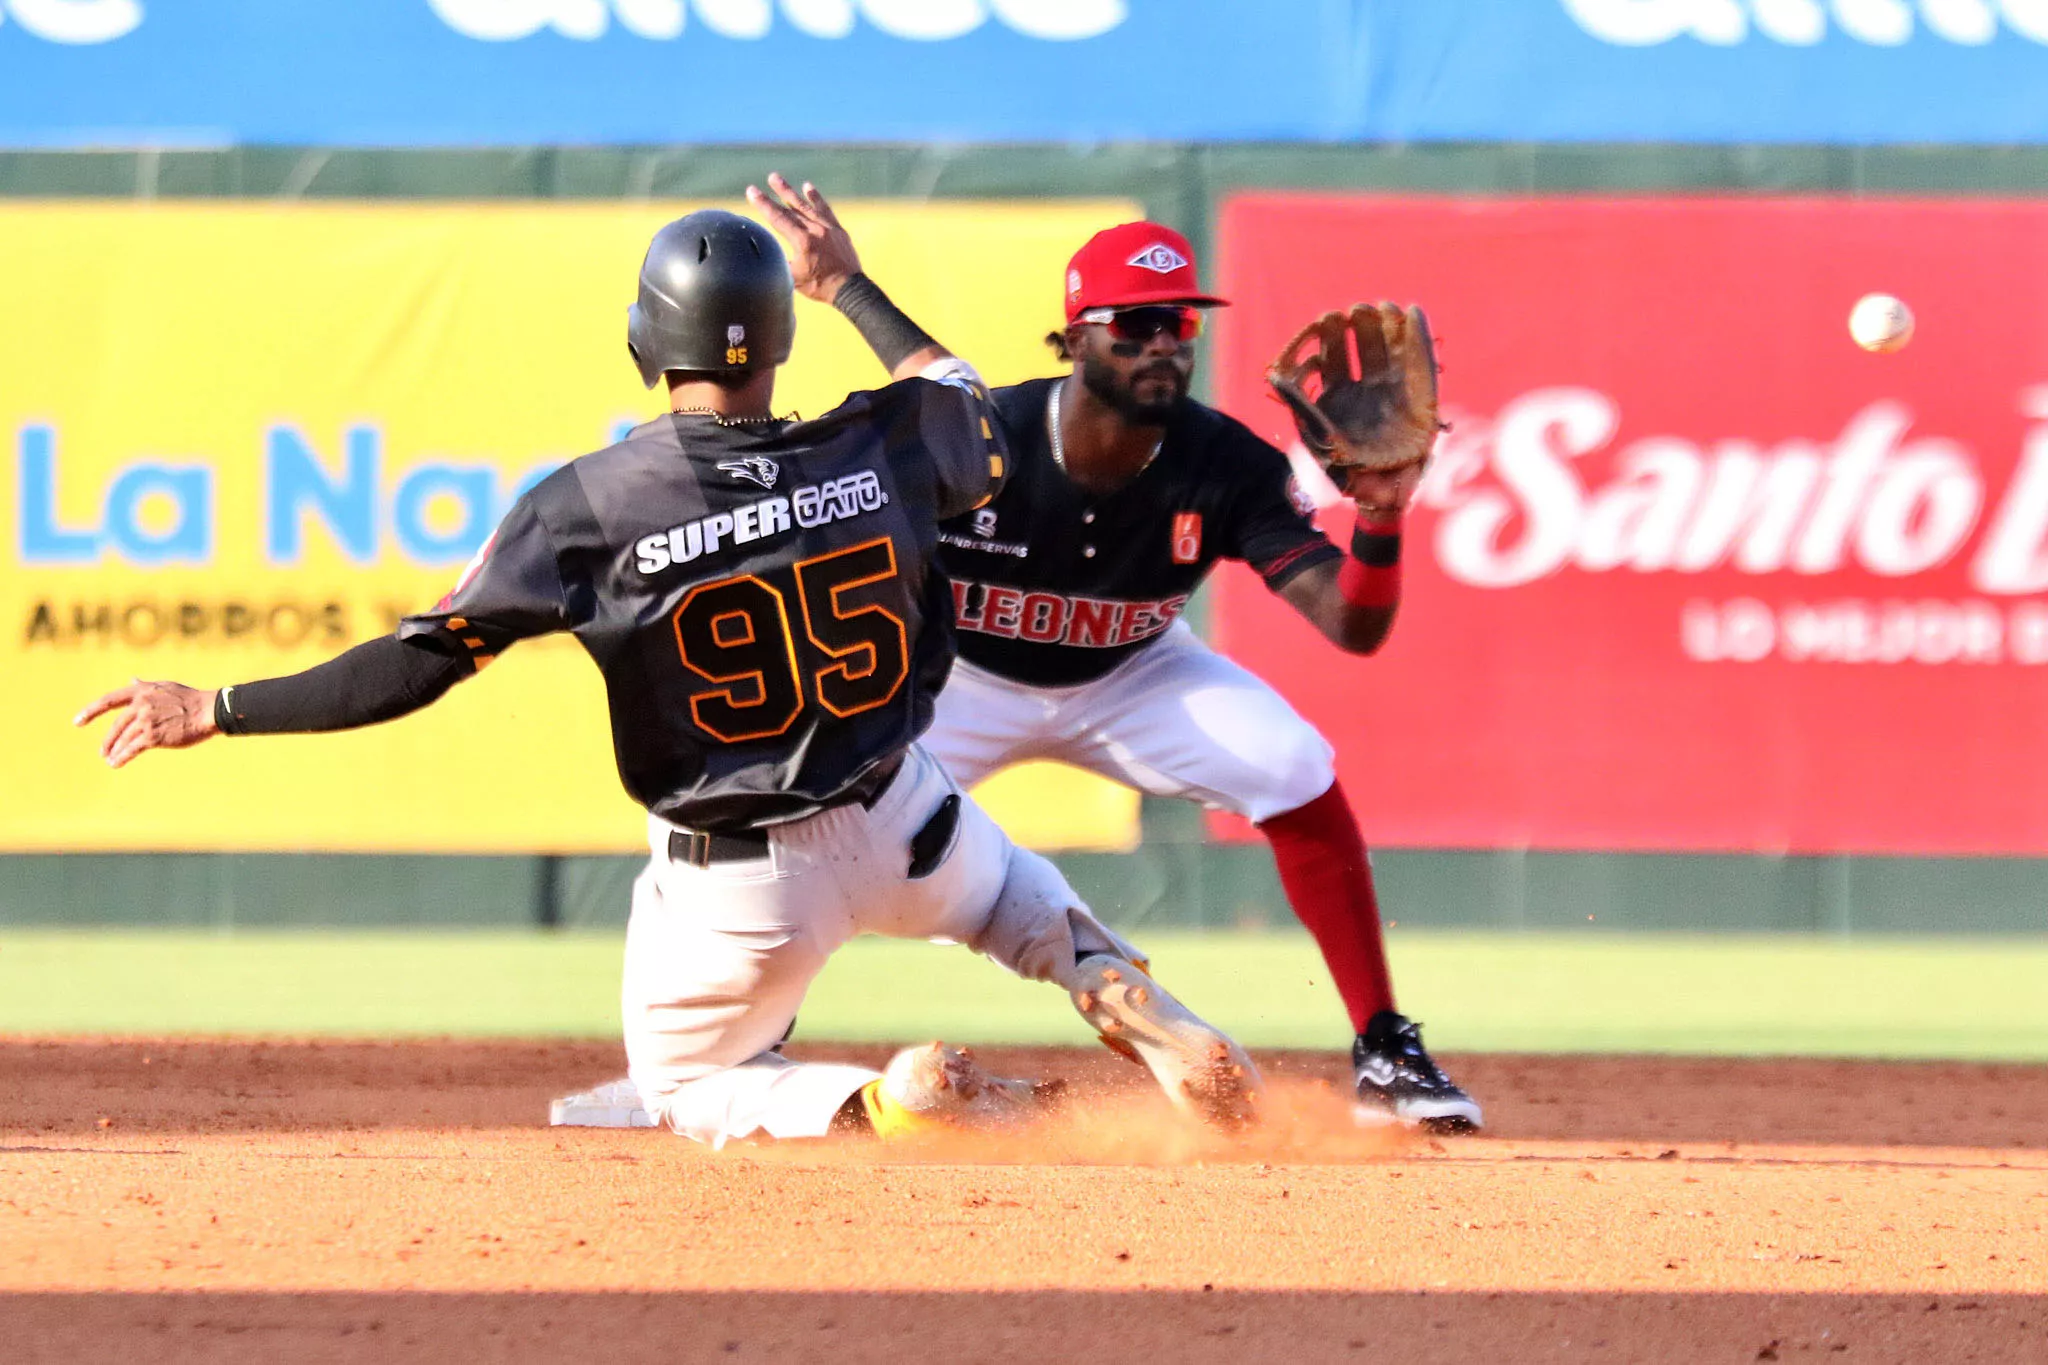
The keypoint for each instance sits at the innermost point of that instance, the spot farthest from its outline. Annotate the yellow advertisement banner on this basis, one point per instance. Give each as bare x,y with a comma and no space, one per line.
239,438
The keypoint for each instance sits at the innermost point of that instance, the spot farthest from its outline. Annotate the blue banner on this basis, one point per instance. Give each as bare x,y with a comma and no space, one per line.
1816,71
512,72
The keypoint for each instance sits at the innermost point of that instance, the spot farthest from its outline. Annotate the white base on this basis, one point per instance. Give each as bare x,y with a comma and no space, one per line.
616,1105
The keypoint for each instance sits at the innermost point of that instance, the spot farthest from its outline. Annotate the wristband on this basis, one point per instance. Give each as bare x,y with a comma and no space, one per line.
886,329
224,712
1371,577
1376,543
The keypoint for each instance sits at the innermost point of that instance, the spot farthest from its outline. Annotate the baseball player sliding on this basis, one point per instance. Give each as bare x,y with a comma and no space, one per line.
1123,492
759,595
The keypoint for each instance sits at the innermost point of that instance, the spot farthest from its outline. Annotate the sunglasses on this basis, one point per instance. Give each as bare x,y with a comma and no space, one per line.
1136,326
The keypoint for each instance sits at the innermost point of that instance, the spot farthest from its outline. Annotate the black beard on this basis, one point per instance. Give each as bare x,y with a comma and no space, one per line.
1100,378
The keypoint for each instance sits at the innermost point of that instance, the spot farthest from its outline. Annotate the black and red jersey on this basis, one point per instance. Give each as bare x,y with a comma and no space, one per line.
1053,585
759,598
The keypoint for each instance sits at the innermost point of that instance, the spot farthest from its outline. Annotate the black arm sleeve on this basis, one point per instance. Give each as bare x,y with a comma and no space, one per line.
887,329
511,591
378,680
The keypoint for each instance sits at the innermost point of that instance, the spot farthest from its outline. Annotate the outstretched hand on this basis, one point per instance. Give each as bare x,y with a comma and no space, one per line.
158,715
1384,494
821,254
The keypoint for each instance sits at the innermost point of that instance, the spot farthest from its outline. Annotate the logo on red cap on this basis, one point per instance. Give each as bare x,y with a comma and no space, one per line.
1160,257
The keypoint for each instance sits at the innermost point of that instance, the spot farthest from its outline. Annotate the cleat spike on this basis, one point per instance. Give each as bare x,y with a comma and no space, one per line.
1120,1048
1086,1000
1112,975
1139,995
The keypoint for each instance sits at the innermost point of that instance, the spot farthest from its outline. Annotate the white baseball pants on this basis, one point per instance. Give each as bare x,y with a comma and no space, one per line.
718,958
1174,719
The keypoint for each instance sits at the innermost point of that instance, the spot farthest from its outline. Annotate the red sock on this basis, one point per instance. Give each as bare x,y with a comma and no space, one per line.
1329,883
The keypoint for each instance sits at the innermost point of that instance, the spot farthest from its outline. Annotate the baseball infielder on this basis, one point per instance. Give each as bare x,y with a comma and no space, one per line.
759,595
1123,492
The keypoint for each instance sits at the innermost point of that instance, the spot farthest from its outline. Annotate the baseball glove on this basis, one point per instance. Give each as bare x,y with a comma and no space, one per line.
1385,417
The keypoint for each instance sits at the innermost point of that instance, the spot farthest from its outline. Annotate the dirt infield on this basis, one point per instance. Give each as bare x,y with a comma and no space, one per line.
176,1201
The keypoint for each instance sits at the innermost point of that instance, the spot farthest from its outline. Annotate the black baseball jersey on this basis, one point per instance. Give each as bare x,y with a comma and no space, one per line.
1053,585
759,598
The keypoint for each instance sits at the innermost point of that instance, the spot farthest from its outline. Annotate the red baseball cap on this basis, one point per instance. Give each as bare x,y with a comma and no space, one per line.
1134,263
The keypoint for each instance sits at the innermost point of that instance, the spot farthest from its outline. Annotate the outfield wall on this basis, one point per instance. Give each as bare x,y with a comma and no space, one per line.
1178,875
1163,884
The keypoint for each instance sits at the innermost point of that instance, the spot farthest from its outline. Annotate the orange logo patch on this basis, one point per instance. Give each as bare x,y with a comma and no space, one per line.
1187,537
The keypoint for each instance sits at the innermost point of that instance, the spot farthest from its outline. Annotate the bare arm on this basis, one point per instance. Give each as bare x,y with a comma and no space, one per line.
376,681
822,262
1353,601
1352,628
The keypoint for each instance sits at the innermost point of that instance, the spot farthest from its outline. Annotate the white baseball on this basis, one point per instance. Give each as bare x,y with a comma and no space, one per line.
1880,322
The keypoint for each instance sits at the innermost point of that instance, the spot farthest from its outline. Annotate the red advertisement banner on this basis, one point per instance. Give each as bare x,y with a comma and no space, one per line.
1691,570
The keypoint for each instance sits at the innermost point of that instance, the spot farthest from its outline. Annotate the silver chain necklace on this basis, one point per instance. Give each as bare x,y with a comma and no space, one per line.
724,420
1059,446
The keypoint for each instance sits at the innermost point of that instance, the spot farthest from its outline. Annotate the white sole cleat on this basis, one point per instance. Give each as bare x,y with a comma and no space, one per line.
613,1105
1438,1117
1202,1069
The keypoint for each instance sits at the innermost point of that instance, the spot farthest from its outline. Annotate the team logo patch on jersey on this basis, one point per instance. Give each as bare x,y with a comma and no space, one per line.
1159,257
1187,537
1304,502
985,523
753,468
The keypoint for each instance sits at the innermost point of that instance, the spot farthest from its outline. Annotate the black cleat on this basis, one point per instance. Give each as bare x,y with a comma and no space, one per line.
1399,1083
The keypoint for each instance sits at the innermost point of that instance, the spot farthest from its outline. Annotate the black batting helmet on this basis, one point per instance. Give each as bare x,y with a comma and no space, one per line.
715,295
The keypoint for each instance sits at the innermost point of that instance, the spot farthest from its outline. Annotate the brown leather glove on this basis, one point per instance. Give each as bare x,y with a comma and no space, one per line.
1385,416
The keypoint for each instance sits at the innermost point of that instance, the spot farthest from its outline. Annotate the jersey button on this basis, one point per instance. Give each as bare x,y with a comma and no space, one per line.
1087,552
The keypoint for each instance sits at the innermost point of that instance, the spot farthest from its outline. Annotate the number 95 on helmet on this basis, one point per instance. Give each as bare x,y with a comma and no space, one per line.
715,297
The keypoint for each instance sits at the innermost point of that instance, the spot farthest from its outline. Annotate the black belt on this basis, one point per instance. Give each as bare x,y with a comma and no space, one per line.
703,847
